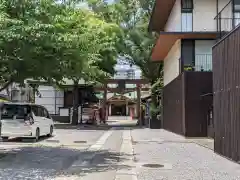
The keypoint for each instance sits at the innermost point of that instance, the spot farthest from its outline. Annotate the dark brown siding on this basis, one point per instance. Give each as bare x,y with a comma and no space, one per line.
226,87
196,105
173,102
184,107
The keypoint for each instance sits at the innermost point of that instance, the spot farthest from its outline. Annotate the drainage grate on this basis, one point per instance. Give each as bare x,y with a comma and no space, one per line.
53,141
80,142
153,165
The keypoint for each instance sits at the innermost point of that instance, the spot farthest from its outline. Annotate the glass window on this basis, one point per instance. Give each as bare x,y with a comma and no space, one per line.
187,22
35,110
14,111
236,18
188,52
187,4
45,113
38,111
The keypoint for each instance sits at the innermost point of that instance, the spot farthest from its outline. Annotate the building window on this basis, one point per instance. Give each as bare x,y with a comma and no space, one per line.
187,15
188,51
236,12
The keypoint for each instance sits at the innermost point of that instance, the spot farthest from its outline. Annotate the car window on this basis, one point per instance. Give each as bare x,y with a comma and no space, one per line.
45,112
38,111
35,110
41,111
14,111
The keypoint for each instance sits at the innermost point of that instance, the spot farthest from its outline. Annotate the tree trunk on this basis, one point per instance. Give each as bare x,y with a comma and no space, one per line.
75,103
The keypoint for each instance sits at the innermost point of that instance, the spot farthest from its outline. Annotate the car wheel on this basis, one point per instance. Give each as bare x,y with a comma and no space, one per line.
37,134
4,139
50,132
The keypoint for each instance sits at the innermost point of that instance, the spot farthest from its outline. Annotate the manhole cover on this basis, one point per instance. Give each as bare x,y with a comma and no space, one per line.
80,142
53,141
153,165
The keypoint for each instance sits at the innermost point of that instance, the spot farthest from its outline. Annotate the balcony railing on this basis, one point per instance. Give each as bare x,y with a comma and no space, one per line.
227,19
203,63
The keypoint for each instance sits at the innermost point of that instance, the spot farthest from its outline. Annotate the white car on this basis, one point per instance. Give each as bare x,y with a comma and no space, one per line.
25,120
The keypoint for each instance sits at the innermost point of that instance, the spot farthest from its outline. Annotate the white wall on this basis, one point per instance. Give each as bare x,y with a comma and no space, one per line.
48,100
174,21
222,4
171,63
226,25
203,54
204,13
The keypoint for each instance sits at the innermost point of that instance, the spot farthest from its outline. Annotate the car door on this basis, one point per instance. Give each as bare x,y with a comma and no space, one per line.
39,118
47,120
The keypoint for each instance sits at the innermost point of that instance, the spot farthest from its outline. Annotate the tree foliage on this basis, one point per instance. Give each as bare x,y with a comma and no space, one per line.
28,41
137,43
45,39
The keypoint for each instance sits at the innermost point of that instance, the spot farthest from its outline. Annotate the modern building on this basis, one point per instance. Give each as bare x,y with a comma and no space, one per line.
187,31
226,82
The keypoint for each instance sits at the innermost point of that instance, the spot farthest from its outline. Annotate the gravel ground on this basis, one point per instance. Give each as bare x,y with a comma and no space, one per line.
188,161
45,159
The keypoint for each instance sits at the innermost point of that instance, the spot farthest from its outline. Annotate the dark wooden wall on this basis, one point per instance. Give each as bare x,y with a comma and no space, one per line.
184,107
197,84
226,87
173,104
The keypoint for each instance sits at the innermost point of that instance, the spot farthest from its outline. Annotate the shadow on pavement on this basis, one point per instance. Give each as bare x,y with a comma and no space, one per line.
101,127
25,140
103,161
50,162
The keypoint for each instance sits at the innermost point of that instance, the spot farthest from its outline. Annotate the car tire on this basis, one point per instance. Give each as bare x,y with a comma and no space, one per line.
4,139
50,132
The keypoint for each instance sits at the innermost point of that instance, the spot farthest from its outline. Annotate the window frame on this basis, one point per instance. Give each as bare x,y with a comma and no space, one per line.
187,11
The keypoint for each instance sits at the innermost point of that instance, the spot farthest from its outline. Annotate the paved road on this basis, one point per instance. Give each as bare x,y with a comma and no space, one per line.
43,160
117,153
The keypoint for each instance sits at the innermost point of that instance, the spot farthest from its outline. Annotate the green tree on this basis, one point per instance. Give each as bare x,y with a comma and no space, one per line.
49,40
90,52
29,41
137,43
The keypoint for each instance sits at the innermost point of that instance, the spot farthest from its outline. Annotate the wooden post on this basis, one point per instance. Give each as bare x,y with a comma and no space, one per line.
75,103
139,104
105,102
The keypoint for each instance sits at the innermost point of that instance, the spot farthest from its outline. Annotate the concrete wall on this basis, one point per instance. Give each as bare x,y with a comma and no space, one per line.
174,21
50,98
222,4
171,63
204,12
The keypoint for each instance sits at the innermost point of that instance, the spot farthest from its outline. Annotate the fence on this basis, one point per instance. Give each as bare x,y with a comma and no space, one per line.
202,63
228,18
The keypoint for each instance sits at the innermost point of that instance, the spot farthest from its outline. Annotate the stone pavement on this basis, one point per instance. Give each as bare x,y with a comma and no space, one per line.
182,159
123,152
